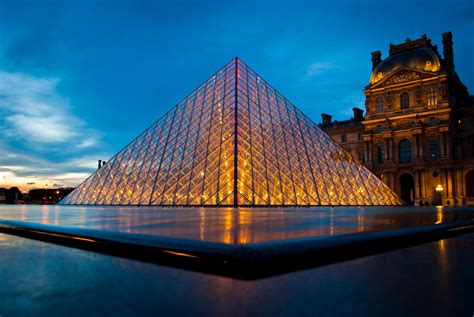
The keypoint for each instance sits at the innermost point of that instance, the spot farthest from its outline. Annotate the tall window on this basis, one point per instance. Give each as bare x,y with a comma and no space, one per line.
404,148
404,100
379,105
432,93
380,153
362,157
344,138
434,150
379,128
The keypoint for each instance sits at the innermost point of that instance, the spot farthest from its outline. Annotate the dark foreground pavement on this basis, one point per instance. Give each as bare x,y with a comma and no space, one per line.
431,279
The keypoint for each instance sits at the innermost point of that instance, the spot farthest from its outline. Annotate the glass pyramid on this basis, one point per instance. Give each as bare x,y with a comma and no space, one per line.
234,141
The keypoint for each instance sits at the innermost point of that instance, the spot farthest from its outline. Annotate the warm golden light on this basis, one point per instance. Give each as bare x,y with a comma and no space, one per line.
439,214
227,146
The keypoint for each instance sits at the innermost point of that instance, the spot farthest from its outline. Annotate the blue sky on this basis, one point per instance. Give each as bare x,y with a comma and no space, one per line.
80,79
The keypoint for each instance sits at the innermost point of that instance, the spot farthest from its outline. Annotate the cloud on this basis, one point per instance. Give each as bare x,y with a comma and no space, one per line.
34,112
41,141
29,171
319,68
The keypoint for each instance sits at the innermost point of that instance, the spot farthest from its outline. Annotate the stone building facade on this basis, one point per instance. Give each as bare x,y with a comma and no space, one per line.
418,131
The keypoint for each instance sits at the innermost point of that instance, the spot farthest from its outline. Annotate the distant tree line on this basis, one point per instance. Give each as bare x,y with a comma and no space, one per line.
35,196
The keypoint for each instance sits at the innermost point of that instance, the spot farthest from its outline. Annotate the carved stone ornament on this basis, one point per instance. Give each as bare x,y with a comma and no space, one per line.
402,76
404,123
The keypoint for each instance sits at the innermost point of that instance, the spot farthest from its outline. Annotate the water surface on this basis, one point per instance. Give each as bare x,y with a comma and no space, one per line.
234,226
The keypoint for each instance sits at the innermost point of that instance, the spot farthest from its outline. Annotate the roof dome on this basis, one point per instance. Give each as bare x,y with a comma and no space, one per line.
423,58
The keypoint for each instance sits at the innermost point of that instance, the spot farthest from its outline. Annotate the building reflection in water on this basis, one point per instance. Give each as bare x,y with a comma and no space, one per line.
232,226
202,224
439,215
441,243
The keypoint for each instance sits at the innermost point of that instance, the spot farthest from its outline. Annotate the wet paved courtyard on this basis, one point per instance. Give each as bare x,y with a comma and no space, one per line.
235,226
40,278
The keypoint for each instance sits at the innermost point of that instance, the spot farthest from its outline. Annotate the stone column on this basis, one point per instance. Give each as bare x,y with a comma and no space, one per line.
396,152
415,147
442,145
369,151
442,181
392,181
417,185
449,181
462,179
387,149
420,145
423,184
455,186
447,138
390,145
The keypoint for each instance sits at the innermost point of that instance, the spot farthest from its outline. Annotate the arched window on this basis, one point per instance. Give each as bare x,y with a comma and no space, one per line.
404,148
379,105
379,128
404,100
434,150
432,93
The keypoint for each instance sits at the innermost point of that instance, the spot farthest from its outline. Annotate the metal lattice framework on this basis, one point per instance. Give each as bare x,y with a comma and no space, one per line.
234,141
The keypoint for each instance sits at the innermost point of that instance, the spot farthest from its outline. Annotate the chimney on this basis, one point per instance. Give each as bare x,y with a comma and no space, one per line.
448,49
326,118
100,164
358,114
376,59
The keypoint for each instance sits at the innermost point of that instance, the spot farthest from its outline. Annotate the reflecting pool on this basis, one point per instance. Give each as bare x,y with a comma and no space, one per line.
235,226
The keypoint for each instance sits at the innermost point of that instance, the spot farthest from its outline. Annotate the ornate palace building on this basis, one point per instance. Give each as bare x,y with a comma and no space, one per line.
418,132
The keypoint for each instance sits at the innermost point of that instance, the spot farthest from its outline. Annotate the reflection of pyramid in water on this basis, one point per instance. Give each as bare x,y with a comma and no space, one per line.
234,141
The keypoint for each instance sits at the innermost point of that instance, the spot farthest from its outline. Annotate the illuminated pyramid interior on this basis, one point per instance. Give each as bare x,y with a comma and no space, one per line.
234,141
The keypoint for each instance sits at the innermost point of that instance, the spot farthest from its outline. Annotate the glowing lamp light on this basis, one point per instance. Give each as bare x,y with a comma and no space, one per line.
439,188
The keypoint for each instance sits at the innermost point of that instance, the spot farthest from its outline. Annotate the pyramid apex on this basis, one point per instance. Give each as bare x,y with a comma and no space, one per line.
239,60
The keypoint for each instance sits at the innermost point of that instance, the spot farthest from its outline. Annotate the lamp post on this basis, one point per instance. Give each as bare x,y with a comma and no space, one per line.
439,188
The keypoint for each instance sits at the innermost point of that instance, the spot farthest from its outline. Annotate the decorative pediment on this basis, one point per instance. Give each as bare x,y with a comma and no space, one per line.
401,75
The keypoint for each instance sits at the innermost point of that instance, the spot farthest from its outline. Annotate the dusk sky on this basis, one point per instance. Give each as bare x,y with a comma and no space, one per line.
80,79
